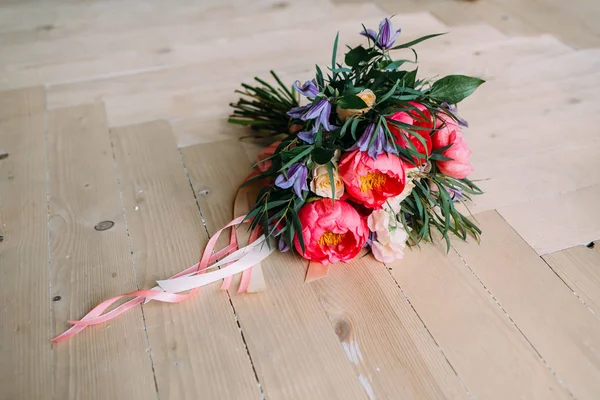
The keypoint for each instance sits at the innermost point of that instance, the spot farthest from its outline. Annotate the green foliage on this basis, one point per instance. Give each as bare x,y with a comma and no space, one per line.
453,89
432,204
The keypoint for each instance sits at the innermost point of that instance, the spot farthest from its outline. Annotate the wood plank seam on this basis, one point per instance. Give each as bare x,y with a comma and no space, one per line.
542,359
130,246
570,288
49,270
462,382
235,313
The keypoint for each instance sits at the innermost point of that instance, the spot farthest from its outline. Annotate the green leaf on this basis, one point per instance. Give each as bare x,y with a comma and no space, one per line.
298,227
395,64
353,128
356,55
351,102
331,180
453,89
322,156
345,126
298,157
416,41
334,55
320,81
389,93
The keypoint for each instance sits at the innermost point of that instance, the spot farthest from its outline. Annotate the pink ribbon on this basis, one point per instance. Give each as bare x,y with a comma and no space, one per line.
97,315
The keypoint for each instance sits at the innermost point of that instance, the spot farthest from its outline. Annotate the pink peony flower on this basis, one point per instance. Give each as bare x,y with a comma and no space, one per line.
264,154
372,181
449,133
421,118
332,231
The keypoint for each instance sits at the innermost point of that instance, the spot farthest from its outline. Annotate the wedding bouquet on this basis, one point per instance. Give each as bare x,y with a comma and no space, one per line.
374,158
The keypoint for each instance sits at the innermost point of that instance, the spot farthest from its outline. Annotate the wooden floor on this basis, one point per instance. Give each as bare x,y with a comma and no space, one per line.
114,112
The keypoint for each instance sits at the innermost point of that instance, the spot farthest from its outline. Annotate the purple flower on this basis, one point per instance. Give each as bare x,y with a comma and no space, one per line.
309,89
380,143
309,136
282,245
297,112
386,37
452,109
296,177
321,110
456,194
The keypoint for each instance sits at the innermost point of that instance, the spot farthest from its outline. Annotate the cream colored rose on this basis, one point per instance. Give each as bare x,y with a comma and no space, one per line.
390,236
321,184
367,96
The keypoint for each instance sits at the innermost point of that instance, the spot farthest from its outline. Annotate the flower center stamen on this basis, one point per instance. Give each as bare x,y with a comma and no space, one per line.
331,239
372,180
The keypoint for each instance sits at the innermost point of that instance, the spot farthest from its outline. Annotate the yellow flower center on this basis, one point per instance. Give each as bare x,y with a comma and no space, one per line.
331,239
372,180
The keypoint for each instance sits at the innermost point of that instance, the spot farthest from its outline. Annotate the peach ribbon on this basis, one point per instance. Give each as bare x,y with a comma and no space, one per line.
235,260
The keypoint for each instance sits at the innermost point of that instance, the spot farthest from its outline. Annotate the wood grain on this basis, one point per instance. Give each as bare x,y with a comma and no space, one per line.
293,347
22,102
558,222
556,323
579,267
392,352
489,353
25,327
196,346
88,265
389,350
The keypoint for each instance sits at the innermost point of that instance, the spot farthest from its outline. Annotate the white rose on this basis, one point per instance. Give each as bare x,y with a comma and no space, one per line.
393,249
321,184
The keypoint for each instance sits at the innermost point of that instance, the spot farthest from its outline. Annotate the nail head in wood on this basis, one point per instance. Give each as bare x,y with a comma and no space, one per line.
590,245
104,225
56,298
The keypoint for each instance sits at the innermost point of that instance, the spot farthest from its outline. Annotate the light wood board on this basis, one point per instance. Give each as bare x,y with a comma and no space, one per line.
196,346
556,323
90,265
579,267
25,327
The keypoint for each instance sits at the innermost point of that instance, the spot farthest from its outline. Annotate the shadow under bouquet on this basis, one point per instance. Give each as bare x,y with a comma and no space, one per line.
366,154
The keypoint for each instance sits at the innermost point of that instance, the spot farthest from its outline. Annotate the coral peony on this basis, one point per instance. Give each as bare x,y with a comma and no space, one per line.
449,133
419,118
372,181
332,231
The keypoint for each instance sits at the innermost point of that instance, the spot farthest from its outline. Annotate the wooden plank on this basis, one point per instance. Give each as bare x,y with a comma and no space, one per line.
298,356
489,353
123,18
393,353
292,49
558,222
544,16
156,55
22,102
555,322
196,346
25,330
373,344
90,265
579,267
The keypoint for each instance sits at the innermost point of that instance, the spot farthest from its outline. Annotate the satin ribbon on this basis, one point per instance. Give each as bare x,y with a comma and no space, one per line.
236,260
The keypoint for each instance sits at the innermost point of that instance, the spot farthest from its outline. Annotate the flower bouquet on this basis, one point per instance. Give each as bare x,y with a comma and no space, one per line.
373,157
